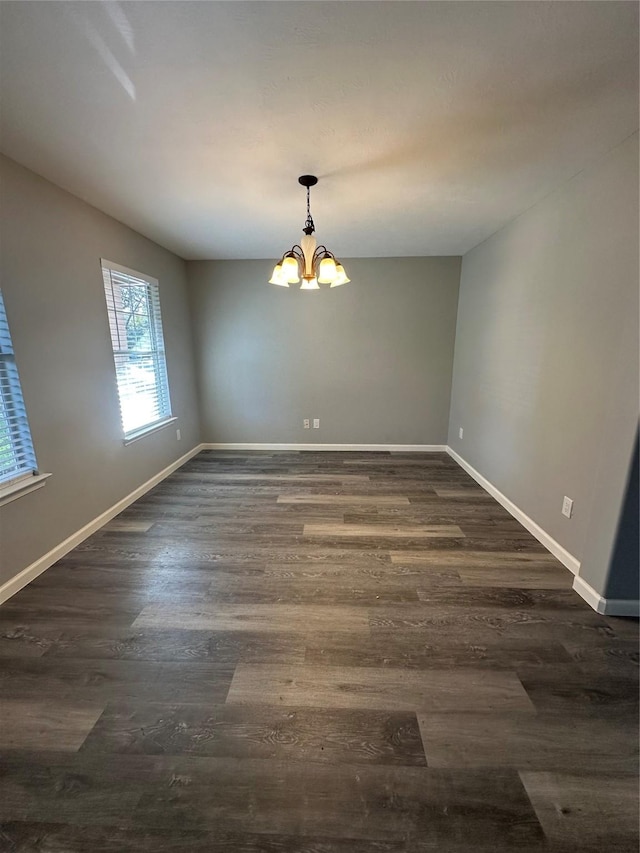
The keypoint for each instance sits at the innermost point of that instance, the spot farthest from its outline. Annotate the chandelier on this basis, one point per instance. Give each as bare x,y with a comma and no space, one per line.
315,265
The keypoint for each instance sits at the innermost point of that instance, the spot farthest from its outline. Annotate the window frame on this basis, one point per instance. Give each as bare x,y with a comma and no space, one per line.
28,477
158,352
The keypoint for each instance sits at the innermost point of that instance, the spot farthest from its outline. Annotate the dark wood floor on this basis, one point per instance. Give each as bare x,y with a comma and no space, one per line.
315,653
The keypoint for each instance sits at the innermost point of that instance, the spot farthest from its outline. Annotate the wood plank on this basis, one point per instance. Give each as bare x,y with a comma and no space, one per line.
371,573
42,603
501,597
479,625
619,658
423,514
123,525
71,788
425,808
377,803
254,617
344,500
564,689
362,687
100,681
408,649
598,810
46,724
223,648
419,465
467,492
479,559
323,735
28,836
525,578
390,531
303,478
528,741
154,581
361,590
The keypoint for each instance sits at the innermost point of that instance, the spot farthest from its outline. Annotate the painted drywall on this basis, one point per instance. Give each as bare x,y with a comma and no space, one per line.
624,577
372,359
52,284
545,380
608,554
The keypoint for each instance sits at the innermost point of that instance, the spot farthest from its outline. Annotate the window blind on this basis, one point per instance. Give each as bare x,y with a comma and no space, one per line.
17,457
135,322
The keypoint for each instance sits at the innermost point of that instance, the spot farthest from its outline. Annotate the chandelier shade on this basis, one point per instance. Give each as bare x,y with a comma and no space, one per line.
313,264
341,277
289,269
276,278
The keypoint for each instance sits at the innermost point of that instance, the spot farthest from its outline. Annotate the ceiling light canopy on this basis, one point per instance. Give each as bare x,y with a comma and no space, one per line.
314,265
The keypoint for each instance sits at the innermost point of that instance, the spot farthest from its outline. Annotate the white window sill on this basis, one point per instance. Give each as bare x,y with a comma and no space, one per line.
22,487
141,433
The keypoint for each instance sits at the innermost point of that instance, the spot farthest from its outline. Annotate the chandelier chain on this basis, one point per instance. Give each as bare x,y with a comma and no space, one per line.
309,223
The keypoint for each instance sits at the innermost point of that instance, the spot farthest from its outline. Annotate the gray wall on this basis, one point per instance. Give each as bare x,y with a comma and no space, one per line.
545,379
50,276
624,577
371,359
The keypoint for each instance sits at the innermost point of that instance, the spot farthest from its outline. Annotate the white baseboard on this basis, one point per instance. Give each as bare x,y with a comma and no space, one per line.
408,448
589,594
16,583
606,606
541,535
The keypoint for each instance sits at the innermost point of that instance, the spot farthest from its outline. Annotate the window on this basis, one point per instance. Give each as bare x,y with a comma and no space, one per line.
17,458
133,303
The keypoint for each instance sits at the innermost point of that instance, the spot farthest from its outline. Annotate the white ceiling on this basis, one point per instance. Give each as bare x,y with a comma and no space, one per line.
430,124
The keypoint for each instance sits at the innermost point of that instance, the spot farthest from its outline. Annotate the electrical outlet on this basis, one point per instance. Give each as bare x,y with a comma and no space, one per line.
567,507
460,431
178,435
306,423
316,423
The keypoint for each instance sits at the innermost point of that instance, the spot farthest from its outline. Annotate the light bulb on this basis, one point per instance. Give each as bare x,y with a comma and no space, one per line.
276,278
309,284
290,272
341,276
327,271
